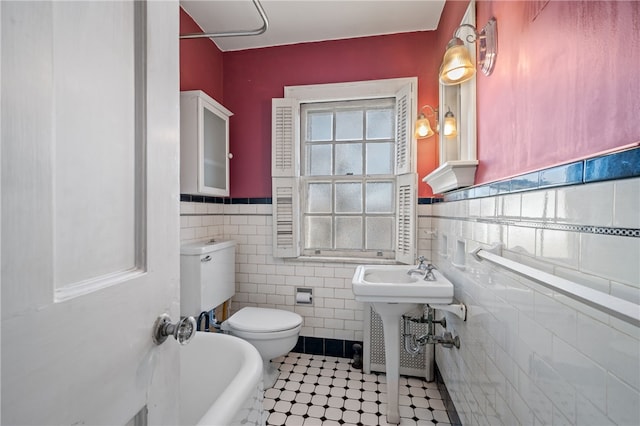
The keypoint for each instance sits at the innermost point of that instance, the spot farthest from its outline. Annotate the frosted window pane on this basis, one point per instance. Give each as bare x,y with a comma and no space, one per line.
379,233
348,232
380,197
319,198
349,159
215,151
348,198
318,232
319,160
320,126
380,123
349,125
379,158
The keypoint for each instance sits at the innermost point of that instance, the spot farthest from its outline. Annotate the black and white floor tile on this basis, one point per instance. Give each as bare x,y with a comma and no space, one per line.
317,390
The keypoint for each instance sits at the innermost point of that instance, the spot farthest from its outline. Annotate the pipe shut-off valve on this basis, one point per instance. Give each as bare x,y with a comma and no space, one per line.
413,343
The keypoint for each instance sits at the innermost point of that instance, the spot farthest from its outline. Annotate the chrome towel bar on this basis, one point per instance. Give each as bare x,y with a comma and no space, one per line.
614,306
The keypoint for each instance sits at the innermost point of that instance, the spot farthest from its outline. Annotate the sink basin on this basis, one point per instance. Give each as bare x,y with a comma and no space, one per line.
392,284
220,381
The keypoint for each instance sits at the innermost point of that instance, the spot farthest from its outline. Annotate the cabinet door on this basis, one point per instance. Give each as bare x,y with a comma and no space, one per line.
214,158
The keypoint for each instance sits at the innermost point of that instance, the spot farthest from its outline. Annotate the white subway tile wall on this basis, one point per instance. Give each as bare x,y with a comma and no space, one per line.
265,281
528,355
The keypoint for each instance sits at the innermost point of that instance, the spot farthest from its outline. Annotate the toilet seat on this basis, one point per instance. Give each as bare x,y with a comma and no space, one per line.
264,320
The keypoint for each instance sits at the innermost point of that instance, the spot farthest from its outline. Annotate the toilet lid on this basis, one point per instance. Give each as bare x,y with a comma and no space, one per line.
264,320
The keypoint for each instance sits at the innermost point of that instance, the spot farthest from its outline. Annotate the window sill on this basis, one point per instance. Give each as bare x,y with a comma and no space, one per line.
354,260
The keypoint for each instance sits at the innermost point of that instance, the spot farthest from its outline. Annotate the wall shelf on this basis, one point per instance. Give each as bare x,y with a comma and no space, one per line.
452,175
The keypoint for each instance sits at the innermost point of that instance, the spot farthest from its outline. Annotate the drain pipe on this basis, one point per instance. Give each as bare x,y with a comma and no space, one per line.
413,344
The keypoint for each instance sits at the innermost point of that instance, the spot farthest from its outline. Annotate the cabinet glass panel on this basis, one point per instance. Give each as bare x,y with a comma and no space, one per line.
215,153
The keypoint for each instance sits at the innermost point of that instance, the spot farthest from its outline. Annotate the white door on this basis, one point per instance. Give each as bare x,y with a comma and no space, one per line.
90,211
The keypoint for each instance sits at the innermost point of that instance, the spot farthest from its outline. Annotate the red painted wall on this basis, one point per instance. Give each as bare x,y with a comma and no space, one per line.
565,85
253,77
200,61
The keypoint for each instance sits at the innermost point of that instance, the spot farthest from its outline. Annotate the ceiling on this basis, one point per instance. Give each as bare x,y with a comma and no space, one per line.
299,21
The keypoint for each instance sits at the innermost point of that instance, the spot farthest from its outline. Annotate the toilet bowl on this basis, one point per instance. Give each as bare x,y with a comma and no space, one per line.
207,273
273,332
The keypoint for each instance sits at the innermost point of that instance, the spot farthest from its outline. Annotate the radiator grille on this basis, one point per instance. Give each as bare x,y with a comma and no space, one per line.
408,363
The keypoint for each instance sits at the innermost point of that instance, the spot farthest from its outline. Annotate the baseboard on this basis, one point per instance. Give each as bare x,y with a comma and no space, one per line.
446,398
327,347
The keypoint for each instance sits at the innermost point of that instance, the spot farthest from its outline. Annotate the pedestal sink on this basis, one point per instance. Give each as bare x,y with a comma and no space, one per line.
392,293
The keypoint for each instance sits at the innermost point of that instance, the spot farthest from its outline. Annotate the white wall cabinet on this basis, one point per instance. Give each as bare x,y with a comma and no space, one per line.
204,145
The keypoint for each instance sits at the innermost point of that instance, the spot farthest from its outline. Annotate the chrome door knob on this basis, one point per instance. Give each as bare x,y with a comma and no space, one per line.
183,331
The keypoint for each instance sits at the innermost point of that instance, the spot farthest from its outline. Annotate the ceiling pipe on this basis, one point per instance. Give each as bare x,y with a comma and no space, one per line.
258,31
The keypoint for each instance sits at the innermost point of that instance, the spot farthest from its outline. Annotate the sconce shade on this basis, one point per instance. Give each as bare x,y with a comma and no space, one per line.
450,127
457,66
423,127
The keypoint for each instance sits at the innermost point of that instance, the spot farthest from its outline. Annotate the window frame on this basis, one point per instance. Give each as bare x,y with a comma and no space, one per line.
287,182
333,179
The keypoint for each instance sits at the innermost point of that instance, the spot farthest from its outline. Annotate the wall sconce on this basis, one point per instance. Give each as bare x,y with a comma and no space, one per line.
423,126
450,127
457,66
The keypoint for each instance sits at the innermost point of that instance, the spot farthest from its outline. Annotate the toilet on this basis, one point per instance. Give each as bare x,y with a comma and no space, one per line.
274,332
207,274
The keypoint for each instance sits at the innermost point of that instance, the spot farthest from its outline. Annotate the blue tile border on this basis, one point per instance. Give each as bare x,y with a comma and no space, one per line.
618,165
567,174
429,200
223,200
265,200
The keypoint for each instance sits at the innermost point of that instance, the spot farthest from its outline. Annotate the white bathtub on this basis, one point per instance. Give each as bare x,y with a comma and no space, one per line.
220,382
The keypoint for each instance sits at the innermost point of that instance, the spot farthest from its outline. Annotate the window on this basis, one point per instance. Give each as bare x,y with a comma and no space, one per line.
344,171
348,178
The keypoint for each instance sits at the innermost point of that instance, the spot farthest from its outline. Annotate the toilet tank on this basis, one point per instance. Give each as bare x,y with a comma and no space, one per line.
207,275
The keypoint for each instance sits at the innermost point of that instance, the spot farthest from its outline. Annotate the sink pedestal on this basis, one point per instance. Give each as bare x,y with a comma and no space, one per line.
390,313
393,291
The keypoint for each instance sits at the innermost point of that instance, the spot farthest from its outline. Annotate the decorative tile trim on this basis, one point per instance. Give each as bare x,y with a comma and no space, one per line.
430,200
220,200
223,200
618,165
587,229
267,200
326,347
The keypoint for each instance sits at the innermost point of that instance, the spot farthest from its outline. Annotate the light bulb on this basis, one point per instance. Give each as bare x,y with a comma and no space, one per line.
450,127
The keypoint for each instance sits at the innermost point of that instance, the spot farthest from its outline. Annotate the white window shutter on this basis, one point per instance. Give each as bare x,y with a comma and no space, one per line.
404,131
406,218
286,217
285,172
406,178
284,141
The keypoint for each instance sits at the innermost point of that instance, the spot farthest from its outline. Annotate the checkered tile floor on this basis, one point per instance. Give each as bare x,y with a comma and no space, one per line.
326,391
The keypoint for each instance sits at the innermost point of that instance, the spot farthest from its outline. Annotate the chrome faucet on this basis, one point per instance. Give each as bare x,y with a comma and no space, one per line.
424,269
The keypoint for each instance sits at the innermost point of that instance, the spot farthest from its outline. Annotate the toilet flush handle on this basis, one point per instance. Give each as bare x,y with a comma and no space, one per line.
183,331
